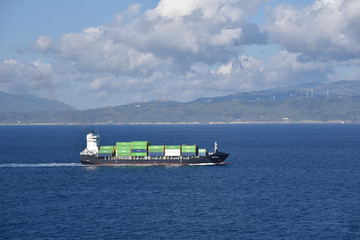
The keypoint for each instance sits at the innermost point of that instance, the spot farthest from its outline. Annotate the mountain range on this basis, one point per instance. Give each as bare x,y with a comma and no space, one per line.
28,103
311,102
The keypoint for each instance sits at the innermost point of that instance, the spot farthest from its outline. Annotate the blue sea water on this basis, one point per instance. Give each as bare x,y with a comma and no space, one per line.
283,182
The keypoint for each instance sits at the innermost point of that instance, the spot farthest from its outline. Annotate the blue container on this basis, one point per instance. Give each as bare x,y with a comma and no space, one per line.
105,154
202,154
156,154
186,154
139,150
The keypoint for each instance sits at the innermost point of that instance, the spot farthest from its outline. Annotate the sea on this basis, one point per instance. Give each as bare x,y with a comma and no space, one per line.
283,181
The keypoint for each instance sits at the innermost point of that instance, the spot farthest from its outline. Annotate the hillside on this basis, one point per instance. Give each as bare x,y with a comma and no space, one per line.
289,110
307,90
29,103
272,105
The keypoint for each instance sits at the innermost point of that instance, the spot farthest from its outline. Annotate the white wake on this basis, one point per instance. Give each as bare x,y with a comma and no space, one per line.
26,165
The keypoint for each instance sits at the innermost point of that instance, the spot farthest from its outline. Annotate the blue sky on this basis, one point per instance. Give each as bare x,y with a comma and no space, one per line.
98,53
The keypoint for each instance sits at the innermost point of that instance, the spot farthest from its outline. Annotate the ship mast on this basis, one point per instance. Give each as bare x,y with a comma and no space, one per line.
215,147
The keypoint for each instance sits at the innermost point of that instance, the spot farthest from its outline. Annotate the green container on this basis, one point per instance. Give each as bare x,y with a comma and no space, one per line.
156,147
107,147
123,148
123,154
189,150
139,147
202,150
173,147
124,151
139,143
105,151
188,147
138,154
156,151
123,144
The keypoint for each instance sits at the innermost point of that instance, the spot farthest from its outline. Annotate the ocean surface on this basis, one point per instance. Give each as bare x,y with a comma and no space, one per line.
283,182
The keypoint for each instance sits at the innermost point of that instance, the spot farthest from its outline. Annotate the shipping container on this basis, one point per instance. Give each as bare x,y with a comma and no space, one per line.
172,152
156,154
123,144
107,147
189,150
123,154
105,154
138,154
139,150
156,147
188,154
202,152
173,147
139,143
139,147
123,148
155,151
188,146
106,151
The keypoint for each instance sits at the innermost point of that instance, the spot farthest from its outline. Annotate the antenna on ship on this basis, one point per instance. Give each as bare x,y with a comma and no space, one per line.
215,147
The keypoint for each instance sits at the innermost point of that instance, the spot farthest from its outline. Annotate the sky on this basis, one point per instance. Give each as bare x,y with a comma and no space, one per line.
91,54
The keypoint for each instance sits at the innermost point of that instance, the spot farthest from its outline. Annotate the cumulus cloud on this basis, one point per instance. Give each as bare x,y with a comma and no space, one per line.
179,32
326,30
43,44
170,40
194,48
23,78
286,69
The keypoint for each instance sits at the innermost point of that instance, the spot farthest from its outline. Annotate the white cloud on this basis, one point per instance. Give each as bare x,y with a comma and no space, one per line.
226,37
225,69
98,83
176,9
326,30
184,32
193,48
24,78
134,9
166,41
43,44
286,69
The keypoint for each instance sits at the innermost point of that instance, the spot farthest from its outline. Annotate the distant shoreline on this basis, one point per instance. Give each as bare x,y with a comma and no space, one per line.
183,123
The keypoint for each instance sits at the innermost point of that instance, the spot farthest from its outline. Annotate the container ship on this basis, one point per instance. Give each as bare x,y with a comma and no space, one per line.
142,153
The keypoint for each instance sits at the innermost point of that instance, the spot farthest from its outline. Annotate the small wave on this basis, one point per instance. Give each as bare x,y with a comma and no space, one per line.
26,165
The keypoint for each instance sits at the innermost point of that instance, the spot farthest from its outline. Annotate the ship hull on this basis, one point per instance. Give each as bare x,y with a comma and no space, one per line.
213,159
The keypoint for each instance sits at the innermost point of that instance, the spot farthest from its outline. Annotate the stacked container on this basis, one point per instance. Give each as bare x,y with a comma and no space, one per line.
139,148
202,152
173,150
156,150
123,149
189,150
106,151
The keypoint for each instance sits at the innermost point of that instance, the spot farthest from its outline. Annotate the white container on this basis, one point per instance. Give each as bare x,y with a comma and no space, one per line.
172,152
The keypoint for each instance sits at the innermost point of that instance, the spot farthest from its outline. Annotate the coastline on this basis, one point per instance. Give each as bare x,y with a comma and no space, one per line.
184,123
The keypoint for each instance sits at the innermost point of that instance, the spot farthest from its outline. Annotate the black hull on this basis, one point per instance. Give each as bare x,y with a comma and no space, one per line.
214,159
